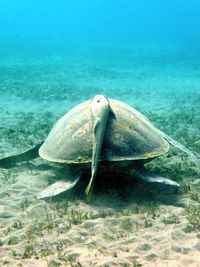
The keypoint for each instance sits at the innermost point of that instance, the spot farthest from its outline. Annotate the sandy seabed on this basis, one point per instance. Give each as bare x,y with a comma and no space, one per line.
128,222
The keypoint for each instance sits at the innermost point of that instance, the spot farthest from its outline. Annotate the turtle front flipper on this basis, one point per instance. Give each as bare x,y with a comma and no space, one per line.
8,162
153,178
179,146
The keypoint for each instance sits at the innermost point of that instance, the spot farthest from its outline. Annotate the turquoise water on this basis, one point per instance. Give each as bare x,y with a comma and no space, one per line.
82,48
56,55
100,21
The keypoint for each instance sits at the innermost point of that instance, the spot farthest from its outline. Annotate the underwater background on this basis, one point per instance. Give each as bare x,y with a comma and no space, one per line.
56,54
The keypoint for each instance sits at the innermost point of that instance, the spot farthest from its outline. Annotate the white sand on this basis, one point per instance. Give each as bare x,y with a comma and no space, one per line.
142,228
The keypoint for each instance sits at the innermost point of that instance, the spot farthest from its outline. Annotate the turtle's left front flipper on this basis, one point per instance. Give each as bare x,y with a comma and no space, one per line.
27,155
180,146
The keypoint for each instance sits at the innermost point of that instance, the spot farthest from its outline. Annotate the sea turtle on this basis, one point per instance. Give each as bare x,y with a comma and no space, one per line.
100,129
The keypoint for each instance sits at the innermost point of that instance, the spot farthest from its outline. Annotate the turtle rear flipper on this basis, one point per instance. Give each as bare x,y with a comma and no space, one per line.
73,176
8,162
152,178
58,187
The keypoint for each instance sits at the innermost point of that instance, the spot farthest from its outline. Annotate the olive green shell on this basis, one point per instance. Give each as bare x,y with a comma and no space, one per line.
129,136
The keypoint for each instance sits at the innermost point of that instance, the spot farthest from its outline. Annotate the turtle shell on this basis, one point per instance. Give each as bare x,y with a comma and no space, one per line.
129,135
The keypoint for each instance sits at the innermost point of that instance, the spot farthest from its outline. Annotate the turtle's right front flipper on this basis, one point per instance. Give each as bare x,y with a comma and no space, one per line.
27,155
180,146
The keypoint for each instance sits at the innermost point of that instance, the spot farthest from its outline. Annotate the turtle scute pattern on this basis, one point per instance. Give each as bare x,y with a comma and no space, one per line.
129,136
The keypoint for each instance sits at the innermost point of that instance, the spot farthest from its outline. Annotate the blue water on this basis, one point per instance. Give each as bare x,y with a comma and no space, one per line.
175,22
140,51
143,52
